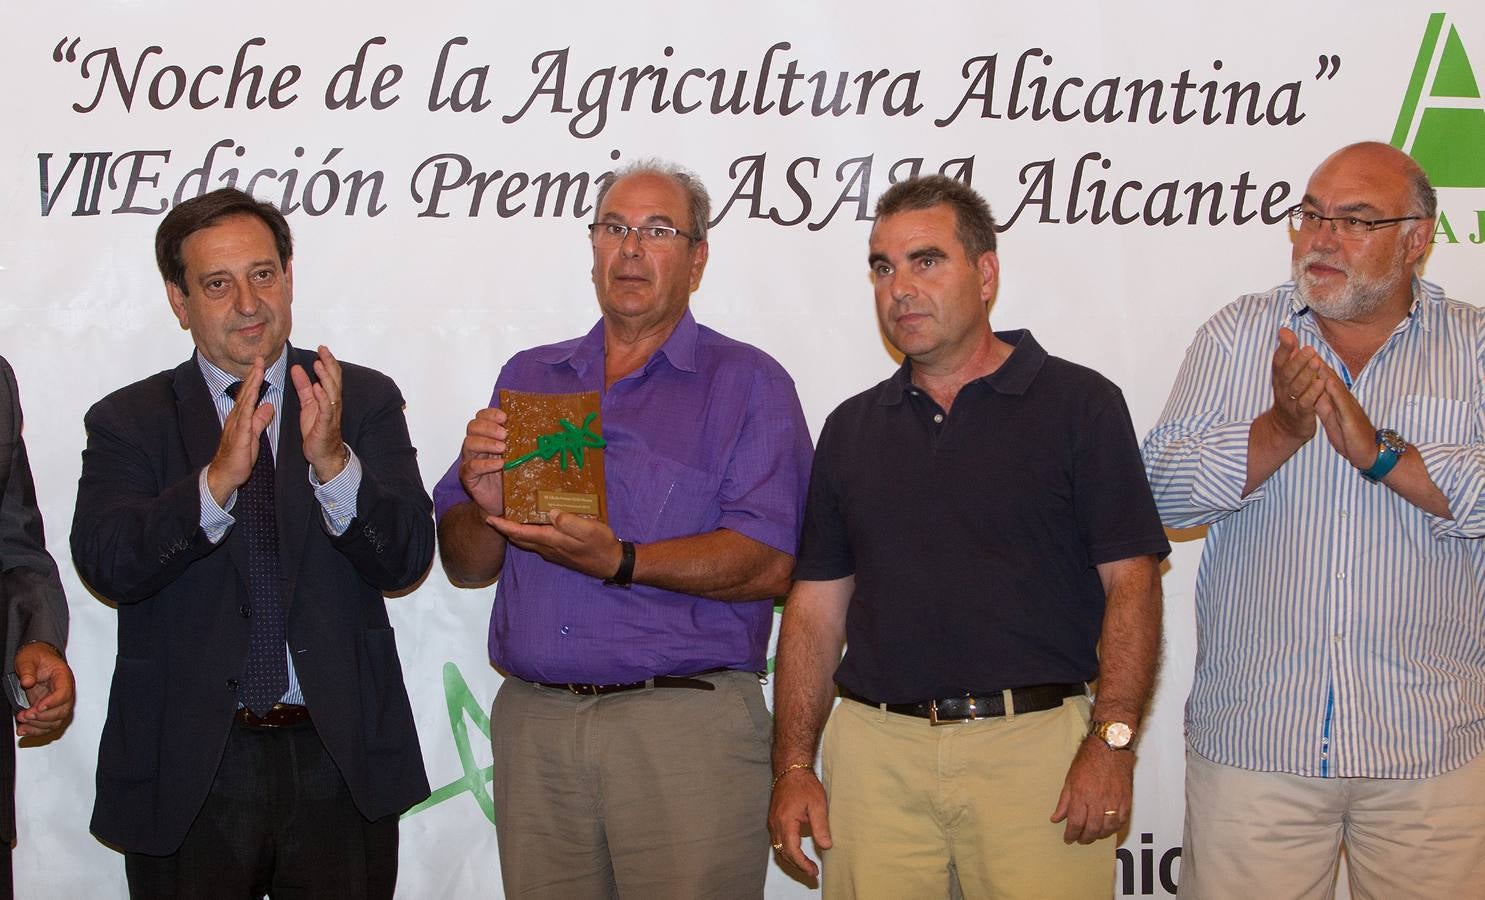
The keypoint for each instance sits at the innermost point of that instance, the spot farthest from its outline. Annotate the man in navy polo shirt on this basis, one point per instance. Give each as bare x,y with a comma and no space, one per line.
980,533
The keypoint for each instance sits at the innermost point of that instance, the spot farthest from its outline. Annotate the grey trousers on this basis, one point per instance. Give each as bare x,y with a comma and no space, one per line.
654,793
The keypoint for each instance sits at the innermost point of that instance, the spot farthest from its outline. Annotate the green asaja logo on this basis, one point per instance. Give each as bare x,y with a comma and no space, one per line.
1442,120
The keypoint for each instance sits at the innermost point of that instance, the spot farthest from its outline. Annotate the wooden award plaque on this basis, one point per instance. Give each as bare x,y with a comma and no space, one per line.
554,456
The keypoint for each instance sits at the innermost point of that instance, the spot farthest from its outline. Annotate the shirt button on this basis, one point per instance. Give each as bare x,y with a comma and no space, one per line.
231,684
247,611
938,417
1338,638
1345,515
566,629
1340,576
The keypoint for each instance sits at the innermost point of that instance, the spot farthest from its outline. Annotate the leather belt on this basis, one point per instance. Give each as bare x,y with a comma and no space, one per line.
691,682
280,715
978,706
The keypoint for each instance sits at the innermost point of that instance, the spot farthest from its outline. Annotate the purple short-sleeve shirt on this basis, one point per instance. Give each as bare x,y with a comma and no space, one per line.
707,434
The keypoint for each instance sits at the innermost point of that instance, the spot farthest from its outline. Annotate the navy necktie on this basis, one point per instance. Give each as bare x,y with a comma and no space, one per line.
266,677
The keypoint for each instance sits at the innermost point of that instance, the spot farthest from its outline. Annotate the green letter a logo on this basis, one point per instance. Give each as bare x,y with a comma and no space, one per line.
1442,119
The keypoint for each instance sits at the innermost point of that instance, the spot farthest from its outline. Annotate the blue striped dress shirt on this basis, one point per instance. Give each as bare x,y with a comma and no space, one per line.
1340,629
337,496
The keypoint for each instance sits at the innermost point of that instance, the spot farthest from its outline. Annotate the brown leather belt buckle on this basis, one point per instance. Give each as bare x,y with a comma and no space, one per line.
692,682
933,718
599,690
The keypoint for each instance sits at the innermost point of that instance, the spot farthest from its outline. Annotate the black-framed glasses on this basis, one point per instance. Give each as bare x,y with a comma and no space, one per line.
612,234
1308,221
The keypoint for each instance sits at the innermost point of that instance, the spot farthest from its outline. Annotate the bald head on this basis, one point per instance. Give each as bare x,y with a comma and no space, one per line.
1386,162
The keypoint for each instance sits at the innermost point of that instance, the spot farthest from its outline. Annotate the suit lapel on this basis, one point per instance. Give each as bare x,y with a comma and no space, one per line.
197,411
293,496
200,432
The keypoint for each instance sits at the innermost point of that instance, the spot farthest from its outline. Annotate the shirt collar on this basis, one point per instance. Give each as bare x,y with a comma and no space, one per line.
1421,311
679,348
217,381
580,354
1013,378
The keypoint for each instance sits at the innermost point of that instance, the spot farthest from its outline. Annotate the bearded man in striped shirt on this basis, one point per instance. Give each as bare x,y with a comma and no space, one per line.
1331,434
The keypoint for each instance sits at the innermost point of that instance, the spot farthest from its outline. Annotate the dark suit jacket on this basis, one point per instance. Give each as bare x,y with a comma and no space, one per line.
183,638
32,605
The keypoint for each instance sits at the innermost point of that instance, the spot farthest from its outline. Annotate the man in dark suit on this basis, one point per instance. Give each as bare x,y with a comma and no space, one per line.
33,611
259,737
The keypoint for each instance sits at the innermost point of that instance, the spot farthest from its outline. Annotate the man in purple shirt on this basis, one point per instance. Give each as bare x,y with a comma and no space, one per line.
631,741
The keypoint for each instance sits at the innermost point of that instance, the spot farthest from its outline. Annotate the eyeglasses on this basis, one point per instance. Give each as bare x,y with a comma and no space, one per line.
612,234
1349,227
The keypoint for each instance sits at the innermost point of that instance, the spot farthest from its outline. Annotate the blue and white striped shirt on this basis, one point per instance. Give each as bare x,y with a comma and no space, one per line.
337,496
1340,629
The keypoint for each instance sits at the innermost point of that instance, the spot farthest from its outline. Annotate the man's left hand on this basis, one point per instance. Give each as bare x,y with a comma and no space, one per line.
48,683
319,416
1097,794
1347,426
571,541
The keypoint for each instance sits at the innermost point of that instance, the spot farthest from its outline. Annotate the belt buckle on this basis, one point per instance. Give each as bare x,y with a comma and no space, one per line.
933,718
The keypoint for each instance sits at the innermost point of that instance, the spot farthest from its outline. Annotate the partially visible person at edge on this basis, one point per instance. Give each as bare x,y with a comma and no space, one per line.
33,613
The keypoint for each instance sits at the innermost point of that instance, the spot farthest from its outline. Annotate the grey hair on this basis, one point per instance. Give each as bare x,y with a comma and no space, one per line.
1425,198
698,201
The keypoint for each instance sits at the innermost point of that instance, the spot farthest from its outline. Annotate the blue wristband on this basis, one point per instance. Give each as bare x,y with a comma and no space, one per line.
1390,448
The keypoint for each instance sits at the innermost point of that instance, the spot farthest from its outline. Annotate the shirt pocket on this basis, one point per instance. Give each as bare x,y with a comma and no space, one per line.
1424,419
686,498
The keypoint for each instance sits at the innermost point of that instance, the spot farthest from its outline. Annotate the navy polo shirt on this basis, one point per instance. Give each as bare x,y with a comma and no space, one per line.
973,534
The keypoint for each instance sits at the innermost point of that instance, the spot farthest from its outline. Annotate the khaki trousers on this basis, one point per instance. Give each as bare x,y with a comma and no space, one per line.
1271,834
918,811
656,793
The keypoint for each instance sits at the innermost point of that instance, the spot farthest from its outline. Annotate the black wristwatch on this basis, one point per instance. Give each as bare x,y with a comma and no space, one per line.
625,576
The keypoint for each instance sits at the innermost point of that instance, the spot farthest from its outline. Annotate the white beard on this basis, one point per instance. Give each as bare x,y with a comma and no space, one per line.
1358,298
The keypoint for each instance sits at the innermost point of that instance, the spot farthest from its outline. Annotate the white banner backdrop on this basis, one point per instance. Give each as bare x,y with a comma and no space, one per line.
436,160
